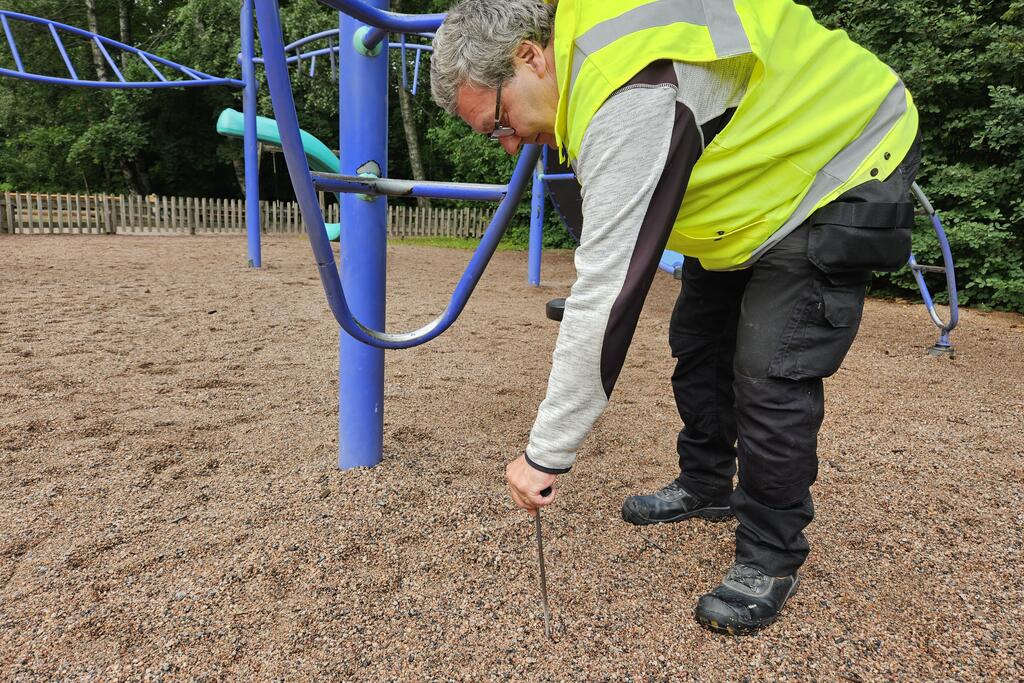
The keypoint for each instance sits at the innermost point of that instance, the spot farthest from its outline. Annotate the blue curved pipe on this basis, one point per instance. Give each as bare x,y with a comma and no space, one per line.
947,266
199,79
298,169
382,19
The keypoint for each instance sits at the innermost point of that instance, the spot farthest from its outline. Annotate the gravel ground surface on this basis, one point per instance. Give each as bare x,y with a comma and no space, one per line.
170,507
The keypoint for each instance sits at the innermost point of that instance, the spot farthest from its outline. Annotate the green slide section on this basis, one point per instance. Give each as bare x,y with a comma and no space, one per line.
319,156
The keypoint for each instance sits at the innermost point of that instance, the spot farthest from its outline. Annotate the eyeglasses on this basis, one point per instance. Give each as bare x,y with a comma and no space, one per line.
500,131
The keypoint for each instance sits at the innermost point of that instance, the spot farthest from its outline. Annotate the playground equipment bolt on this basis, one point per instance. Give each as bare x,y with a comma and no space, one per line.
543,577
368,197
358,42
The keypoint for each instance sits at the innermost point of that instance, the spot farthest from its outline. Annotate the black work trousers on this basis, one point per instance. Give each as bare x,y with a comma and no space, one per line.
752,347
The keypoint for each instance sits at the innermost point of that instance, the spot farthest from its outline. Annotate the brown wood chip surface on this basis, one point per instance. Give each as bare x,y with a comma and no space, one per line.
170,508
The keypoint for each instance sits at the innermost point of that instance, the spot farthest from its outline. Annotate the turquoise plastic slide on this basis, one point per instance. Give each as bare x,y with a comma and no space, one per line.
319,156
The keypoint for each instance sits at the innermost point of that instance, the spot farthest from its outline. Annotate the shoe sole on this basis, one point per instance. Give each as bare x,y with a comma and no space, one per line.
712,514
742,630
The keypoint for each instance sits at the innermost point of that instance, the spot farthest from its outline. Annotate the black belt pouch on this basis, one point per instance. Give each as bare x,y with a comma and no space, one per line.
860,236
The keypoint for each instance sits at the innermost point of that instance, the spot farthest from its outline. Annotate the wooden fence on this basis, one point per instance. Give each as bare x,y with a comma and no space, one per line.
24,213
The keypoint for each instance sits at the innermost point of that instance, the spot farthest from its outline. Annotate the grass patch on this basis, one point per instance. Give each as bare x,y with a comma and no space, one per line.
453,243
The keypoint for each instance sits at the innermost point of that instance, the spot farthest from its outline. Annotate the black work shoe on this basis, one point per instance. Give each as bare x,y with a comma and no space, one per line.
745,601
671,504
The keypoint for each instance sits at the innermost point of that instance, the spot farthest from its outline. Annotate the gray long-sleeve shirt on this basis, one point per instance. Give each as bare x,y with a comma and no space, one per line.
634,163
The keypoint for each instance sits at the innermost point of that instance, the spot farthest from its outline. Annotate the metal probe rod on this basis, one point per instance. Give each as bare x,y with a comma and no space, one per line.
543,577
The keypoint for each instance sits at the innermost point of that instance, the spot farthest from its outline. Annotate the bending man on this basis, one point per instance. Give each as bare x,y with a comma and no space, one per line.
773,153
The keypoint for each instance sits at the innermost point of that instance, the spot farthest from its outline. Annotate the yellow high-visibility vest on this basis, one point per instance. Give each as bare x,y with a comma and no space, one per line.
820,115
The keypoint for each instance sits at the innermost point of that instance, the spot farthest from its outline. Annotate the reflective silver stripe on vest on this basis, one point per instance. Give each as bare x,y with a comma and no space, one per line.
719,16
726,29
842,166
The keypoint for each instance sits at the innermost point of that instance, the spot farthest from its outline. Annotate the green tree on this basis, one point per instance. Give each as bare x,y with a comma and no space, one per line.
962,61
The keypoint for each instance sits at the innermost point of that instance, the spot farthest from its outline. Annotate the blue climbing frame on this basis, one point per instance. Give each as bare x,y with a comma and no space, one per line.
184,77
358,44
356,295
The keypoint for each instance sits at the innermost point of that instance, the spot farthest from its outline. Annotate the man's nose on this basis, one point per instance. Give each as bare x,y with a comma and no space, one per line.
511,144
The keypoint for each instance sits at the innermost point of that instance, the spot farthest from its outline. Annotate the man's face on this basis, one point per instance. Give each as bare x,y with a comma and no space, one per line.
529,101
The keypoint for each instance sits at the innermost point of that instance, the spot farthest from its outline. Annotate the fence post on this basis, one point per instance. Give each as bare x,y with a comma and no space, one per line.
8,216
38,215
101,222
108,220
97,231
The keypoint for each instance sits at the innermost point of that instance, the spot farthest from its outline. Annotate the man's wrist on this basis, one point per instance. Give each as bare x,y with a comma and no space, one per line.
542,468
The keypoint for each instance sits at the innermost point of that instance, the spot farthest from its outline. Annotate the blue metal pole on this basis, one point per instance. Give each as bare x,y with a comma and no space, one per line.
395,187
537,222
363,121
250,144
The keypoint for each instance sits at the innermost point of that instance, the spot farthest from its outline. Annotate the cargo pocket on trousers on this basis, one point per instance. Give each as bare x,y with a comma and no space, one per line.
820,332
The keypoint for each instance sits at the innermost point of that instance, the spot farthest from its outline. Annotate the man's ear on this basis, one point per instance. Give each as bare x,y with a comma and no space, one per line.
532,56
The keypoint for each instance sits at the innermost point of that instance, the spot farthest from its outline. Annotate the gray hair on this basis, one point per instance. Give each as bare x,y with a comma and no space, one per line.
477,41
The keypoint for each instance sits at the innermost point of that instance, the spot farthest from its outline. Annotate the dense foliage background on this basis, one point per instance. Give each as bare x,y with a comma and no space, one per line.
962,59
